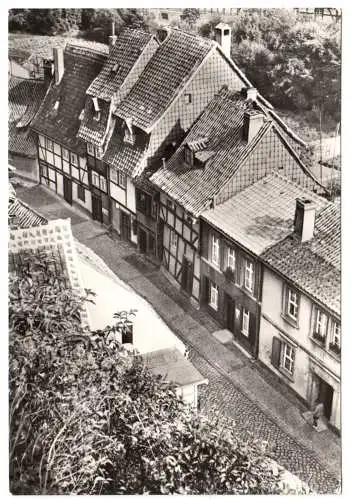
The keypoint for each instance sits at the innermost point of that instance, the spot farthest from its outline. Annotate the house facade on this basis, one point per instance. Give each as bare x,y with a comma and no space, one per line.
233,237
231,146
300,332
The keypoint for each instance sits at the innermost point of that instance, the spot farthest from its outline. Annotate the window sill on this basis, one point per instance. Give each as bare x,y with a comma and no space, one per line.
286,374
290,321
213,307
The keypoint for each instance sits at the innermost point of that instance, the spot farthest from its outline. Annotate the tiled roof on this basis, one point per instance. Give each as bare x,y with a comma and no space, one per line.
263,213
81,66
24,99
24,216
313,266
128,48
172,365
42,46
164,76
221,124
123,156
92,130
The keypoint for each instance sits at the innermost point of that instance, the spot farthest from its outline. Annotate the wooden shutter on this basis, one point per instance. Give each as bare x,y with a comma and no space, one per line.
252,328
276,352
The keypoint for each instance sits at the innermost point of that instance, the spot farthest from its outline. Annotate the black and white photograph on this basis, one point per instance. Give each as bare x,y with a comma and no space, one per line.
174,251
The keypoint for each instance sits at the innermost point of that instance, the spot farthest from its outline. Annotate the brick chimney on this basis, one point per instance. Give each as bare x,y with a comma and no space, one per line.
59,67
252,123
304,219
223,37
112,37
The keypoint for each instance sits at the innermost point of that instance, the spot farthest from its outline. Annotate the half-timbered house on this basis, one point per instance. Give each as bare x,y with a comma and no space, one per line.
232,145
233,237
62,155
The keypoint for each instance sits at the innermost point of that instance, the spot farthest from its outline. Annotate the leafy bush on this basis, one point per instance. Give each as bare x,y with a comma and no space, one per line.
87,417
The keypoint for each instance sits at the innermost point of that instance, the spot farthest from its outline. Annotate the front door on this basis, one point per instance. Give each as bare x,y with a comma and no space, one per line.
68,190
325,395
142,241
187,275
230,314
97,208
125,226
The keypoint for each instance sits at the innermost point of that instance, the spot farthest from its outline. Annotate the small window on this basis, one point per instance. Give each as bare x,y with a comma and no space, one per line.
65,154
122,179
113,176
283,356
95,179
288,357
248,275
245,322
188,98
291,304
165,16
226,32
49,144
173,239
103,185
56,105
189,156
215,250
335,335
90,149
154,209
73,158
320,322
81,193
96,104
231,259
214,296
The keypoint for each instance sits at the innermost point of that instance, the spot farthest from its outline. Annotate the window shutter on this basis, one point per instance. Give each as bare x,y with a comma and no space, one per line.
252,327
239,264
222,255
206,293
276,352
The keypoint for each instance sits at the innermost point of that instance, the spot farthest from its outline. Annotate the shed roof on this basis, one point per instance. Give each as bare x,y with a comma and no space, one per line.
81,66
173,365
263,213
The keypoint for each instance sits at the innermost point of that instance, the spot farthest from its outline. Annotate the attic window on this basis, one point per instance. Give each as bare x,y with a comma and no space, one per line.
189,156
96,104
188,98
116,67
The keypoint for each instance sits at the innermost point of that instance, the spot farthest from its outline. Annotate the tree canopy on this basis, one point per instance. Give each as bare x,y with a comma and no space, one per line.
87,417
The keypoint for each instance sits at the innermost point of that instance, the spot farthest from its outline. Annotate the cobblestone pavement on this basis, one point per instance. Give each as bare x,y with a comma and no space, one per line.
311,457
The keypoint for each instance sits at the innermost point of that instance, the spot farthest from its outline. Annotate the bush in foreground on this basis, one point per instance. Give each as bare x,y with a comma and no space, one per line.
87,417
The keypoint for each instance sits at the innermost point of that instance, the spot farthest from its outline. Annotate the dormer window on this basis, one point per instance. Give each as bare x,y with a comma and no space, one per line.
56,105
189,156
129,134
96,109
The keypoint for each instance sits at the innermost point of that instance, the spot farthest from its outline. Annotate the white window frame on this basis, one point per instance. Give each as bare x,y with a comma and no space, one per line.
90,149
103,183
49,144
215,250
336,326
231,258
114,176
320,323
289,294
188,98
173,239
214,296
122,179
65,154
95,179
249,275
287,354
245,322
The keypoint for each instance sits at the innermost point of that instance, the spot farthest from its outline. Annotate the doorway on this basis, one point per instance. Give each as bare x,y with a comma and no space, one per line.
125,226
68,190
187,275
97,212
325,396
142,241
230,313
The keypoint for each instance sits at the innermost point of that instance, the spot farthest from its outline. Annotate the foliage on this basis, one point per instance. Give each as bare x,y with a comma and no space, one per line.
190,16
87,417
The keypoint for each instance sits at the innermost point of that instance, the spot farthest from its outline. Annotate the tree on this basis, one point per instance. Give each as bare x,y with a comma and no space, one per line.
190,16
87,417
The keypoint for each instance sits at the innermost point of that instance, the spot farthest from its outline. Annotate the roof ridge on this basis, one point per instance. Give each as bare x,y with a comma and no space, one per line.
92,50
303,188
192,35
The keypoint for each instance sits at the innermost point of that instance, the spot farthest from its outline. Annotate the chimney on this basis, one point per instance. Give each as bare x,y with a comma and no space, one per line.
252,123
59,67
304,219
48,72
249,93
112,37
223,37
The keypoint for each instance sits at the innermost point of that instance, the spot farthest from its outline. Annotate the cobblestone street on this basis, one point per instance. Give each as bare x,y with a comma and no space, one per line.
236,389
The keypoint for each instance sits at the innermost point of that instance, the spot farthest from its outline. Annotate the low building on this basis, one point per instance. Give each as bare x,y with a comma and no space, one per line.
300,332
234,143
233,237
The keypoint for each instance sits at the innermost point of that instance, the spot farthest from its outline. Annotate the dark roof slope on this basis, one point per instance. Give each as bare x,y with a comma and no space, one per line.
81,66
24,216
92,130
164,76
221,124
24,99
313,266
129,46
122,155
